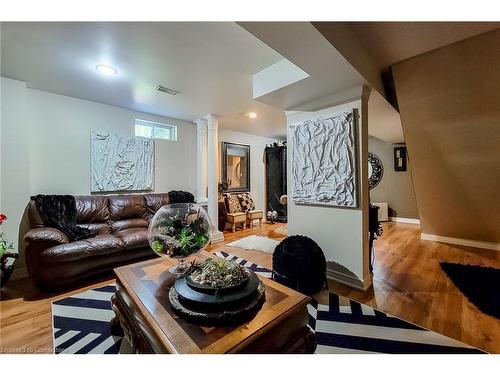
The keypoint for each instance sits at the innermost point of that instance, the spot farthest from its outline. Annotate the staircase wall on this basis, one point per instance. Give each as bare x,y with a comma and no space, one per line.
450,111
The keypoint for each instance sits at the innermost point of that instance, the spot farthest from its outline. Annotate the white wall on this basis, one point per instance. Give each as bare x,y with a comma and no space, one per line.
60,139
257,161
342,233
15,155
46,147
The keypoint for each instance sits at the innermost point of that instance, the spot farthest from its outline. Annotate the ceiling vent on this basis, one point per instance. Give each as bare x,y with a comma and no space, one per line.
167,90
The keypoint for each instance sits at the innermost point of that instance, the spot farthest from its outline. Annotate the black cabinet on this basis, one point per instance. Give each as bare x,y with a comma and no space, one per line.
276,180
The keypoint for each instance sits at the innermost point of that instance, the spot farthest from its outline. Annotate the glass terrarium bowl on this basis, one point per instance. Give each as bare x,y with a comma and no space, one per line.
179,230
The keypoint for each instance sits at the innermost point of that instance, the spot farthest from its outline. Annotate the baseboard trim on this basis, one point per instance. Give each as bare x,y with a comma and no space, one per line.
406,220
349,280
217,236
461,241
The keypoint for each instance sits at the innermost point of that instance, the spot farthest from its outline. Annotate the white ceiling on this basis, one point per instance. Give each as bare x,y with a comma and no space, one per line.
304,46
329,73
211,64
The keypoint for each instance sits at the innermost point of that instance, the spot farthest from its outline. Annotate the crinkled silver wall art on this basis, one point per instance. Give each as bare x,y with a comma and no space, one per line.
121,163
324,161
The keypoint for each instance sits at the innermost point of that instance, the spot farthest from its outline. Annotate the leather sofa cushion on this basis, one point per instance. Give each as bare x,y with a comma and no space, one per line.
99,245
133,238
129,223
154,202
97,228
92,209
126,207
58,275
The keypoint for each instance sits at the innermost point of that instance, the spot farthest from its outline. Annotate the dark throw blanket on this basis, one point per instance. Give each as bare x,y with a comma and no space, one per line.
59,211
481,285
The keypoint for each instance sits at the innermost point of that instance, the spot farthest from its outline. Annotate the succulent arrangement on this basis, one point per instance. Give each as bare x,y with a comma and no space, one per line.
180,235
218,273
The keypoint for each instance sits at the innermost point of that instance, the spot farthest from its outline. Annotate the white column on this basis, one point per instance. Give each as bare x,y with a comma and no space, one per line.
213,159
201,162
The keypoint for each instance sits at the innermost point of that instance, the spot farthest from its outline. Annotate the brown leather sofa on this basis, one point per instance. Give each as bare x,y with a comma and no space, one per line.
121,223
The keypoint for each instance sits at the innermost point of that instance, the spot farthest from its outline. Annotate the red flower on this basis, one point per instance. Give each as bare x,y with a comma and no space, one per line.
2,218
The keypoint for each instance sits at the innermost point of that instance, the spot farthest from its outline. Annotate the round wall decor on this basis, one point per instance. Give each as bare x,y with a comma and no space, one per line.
375,170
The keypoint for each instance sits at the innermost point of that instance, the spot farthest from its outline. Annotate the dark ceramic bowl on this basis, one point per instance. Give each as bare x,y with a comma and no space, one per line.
212,290
192,296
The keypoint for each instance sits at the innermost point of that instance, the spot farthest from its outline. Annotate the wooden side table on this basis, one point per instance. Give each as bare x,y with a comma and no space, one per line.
254,215
237,218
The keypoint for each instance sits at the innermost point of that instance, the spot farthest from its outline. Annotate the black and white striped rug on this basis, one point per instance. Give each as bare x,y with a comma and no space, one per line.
81,325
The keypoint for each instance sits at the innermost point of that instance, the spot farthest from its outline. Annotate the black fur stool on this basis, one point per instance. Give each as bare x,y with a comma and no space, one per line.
299,263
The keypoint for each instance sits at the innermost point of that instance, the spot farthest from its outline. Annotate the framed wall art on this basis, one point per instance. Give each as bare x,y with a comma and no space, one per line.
400,159
324,161
121,163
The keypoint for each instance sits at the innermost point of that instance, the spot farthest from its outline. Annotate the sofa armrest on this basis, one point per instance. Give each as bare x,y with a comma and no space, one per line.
45,234
37,240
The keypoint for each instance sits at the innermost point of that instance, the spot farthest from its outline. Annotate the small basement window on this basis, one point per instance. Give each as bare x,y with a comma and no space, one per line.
156,130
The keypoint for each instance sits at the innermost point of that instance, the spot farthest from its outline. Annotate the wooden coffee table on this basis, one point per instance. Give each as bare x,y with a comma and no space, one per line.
144,314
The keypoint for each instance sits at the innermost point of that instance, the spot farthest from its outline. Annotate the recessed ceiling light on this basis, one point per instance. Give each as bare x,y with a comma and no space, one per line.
251,114
106,69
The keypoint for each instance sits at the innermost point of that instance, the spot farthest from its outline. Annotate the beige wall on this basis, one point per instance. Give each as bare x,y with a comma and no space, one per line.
450,110
342,37
395,188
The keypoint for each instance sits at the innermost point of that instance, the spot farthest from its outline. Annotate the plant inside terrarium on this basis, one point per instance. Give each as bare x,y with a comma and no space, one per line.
218,273
180,234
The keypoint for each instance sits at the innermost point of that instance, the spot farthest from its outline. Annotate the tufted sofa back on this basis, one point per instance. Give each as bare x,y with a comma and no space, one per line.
92,212
110,213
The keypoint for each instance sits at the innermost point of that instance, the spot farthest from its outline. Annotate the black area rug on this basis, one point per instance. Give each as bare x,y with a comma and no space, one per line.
481,285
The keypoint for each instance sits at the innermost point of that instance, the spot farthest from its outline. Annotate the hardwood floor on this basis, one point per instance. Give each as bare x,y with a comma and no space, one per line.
25,317
408,283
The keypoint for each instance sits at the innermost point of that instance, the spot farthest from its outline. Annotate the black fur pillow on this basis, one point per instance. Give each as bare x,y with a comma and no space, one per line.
178,196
